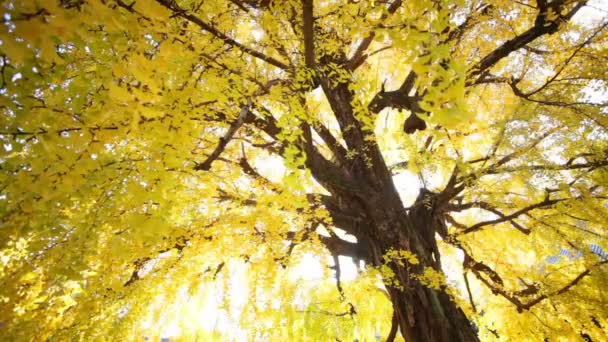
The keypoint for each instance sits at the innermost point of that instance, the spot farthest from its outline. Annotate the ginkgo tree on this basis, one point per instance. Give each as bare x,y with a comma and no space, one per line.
161,155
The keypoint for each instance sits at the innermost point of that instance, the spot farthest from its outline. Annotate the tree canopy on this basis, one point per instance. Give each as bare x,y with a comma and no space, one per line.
210,169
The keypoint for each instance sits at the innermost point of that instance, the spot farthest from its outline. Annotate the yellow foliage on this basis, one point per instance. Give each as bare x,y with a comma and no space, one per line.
165,164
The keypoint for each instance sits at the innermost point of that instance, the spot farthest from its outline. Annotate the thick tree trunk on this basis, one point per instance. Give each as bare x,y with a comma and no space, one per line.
367,205
423,314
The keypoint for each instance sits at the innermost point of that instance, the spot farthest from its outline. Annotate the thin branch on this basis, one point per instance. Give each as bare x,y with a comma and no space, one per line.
520,152
542,26
359,56
524,4
457,33
488,207
295,239
555,167
351,312
140,263
240,6
250,171
236,124
395,168
512,82
183,13
453,222
544,204
42,131
466,282
338,270
332,143
130,8
564,289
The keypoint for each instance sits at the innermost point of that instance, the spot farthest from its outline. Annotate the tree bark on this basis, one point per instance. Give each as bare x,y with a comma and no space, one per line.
423,314
383,224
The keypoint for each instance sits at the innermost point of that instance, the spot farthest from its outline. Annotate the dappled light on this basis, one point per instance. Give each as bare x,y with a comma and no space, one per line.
304,170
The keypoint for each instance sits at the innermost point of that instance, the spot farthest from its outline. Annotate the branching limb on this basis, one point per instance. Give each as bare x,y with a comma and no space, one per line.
513,155
488,207
454,223
183,13
401,99
495,168
542,26
398,167
398,99
550,167
479,267
518,92
566,63
564,289
466,282
257,4
337,246
250,171
140,264
295,238
496,284
509,218
457,33
359,56
331,176
332,143
350,219
206,165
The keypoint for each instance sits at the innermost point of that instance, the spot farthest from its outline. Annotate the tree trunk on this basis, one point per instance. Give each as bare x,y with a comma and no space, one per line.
422,313
365,203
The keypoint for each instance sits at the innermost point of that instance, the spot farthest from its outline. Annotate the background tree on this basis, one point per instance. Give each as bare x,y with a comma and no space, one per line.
155,150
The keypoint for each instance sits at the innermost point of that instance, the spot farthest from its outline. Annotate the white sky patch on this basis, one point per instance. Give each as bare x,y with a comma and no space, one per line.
257,34
590,15
348,269
271,167
408,186
309,268
596,92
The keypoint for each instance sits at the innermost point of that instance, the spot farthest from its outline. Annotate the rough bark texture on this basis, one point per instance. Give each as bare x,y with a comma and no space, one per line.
422,314
426,314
